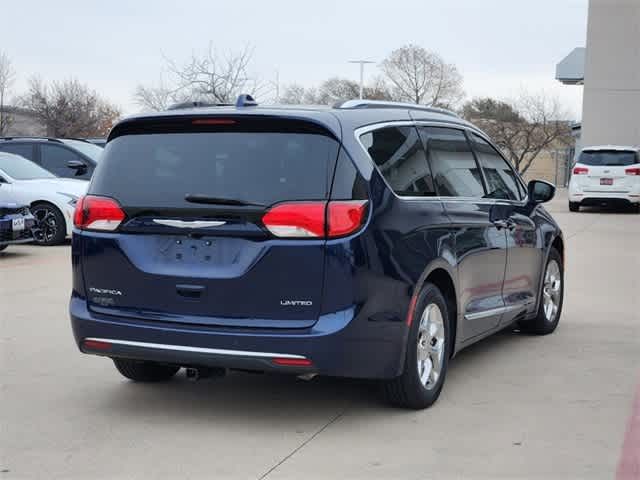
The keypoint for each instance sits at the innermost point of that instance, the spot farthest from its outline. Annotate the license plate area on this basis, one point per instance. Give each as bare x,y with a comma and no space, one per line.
17,224
606,181
190,251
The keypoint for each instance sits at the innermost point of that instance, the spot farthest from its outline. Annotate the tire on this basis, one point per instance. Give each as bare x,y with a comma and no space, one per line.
408,390
2,247
635,208
574,206
140,371
51,228
547,317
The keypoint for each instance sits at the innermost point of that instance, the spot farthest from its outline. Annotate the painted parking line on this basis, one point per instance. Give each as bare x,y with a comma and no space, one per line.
629,465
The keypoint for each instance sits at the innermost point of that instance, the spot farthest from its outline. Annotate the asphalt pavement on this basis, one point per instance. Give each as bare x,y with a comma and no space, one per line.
514,406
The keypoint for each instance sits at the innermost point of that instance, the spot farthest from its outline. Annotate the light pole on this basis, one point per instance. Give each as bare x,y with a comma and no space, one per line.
362,64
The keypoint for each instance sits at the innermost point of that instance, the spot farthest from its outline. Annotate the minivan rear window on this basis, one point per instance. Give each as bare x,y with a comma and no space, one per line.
158,170
608,158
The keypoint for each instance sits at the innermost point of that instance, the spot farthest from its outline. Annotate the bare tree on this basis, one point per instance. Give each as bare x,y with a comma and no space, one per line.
158,97
334,90
69,108
7,77
422,77
209,77
522,128
293,94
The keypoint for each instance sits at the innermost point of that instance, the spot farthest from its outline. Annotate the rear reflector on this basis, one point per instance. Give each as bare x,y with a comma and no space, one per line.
632,171
96,345
412,308
97,213
580,171
315,219
292,362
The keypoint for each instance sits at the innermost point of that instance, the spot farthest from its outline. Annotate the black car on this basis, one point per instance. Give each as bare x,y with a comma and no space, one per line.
16,224
66,158
371,240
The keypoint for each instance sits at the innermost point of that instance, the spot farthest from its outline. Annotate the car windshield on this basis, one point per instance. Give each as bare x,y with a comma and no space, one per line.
20,168
91,150
608,158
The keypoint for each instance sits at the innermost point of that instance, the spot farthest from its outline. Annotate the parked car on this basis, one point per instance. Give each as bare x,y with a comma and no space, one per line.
16,224
372,240
51,200
65,158
606,175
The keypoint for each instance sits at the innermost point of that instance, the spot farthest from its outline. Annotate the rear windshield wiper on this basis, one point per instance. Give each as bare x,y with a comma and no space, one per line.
206,199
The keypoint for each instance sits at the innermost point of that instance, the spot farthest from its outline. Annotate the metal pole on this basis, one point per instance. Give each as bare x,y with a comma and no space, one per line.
362,64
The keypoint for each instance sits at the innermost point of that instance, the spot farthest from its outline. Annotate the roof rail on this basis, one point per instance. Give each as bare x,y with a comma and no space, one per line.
384,104
31,137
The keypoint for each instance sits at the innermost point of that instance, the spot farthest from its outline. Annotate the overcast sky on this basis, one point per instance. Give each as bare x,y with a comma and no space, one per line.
500,46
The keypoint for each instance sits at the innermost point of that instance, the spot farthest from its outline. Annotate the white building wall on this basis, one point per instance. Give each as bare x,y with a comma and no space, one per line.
611,102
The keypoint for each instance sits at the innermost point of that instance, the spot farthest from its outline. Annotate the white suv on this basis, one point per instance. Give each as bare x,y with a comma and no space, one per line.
606,174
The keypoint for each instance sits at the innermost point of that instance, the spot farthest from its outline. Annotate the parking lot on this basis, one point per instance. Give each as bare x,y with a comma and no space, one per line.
514,406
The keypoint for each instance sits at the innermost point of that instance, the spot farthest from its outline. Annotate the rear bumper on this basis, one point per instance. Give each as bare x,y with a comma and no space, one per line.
8,236
338,344
586,197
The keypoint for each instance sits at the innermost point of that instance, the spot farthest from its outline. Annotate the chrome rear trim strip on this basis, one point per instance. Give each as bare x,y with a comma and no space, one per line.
184,348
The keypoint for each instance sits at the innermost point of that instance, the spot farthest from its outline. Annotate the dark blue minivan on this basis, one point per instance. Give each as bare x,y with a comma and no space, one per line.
370,239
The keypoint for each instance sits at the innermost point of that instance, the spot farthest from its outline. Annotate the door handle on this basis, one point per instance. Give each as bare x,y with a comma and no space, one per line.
507,223
500,224
190,291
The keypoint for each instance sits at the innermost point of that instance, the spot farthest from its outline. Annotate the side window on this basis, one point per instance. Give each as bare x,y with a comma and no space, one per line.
399,154
348,184
455,170
501,179
55,158
23,149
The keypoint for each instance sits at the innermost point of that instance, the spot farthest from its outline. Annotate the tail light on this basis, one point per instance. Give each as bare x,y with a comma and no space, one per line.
97,213
580,171
315,219
632,171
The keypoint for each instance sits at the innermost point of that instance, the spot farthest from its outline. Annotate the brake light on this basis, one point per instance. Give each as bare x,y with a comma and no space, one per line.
345,217
632,171
213,121
97,213
580,171
315,219
297,220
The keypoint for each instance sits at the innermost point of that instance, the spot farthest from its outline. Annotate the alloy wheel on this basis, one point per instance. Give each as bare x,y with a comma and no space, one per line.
46,227
552,290
431,346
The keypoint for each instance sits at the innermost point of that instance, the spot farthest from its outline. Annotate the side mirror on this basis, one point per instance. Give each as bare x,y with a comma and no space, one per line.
540,191
78,166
